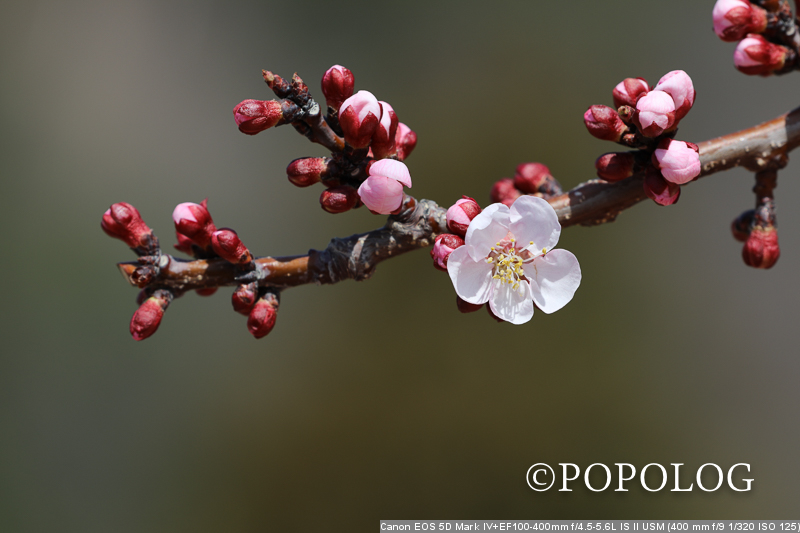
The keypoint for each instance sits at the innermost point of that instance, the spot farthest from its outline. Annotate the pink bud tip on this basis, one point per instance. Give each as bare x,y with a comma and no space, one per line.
679,86
338,199
359,117
194,221
147,318
628,91
255,116
678,162
461,214
307,170
660,190
755,55
443,247
656,113
504,192
228,246
405,140
761,249
733,19
615,166
604,123
337,85
262,317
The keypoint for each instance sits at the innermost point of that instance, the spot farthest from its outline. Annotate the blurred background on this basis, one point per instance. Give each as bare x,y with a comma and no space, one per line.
377,399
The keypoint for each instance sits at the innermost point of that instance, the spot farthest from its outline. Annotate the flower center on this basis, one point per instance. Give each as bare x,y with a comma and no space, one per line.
508,261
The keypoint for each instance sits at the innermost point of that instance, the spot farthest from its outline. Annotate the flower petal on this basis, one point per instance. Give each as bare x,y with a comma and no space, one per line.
391,169
534,219
486,229
471,279
381,194
554,279
512,305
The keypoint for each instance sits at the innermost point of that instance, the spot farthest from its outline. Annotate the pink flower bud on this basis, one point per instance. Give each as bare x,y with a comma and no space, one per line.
338,199
244,298
503,191
656,113
733,19
307,170
615,166
466,307
529,177
359,117
194,221
604,123
262,316
461,214
255,116
741,225
443,247
337,85
405,140
184,244
658,189
755,55
628,91
382,191
383,141
679,86
123,221
761,249
228,246
679,162
148,317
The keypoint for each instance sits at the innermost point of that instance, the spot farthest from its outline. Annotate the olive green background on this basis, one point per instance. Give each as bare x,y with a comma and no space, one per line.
377,399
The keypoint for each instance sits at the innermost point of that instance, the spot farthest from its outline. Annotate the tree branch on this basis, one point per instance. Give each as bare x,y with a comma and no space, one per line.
355,257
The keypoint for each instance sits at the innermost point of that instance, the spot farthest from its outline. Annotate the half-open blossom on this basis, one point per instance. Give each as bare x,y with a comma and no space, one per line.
656,113
337,85
509,261
679,86
404,140
461,214
255,116
733,19
756,55
628,91
383,141
382,191
679,162
359,117
604,123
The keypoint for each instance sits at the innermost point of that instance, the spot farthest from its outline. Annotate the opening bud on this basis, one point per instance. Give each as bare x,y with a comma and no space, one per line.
616,166
382,191
123,221
604,123
337,85
228,246
655,113
733,19
148,317
761,249
262,317
244,298
755,55
404,140
679,162
443,247
194,221
383,141
307,170
461,214
338,199
255,116
628,91
503,191
679,86
359,117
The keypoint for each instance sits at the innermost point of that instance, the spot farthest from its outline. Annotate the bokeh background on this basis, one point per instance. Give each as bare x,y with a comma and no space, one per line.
377,399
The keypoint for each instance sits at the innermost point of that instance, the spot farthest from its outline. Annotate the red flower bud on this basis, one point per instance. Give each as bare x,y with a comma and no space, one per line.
741,225
194,221
337,85
628,91
733,19
383,141
307,170
338,199
529,177
148,317
244,298
761,249
466,307
404,140
228,246
461,214
755,55
615,166
262,317
123,221
503,191
255,116
658,189
443,247
604,123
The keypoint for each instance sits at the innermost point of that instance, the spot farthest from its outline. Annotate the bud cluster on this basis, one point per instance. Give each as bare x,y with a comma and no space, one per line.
647,119
766,37
531,178
358,129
